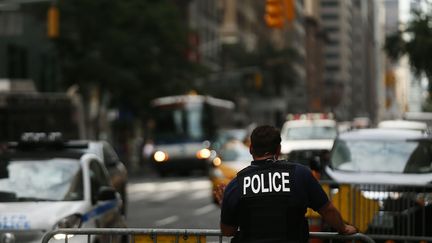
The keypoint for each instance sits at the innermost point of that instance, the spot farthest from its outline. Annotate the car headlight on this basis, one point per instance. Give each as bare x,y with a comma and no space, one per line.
71,221
217,162
203,153
160,156
62,236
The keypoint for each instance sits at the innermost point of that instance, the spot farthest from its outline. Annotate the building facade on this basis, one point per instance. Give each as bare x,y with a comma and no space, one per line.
353,57
336,17
244,64
25,50
315,40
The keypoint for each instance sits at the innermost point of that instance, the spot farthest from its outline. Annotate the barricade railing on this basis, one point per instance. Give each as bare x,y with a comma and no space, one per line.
398,238
383,209
138,235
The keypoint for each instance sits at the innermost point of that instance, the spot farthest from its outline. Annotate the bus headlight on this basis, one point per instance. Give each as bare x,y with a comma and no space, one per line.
160,156
203,154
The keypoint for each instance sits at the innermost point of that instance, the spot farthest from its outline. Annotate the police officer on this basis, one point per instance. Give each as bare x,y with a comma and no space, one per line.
267,200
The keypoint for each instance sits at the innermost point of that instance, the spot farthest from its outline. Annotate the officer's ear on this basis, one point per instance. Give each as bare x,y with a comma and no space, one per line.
251,150
278,151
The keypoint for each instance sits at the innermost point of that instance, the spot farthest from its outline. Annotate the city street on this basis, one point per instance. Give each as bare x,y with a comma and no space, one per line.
126,114
171,202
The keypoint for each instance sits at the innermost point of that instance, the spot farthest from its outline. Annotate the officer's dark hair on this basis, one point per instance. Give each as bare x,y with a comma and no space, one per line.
265,139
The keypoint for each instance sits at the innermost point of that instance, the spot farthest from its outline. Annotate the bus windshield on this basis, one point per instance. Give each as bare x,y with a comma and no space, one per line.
179,122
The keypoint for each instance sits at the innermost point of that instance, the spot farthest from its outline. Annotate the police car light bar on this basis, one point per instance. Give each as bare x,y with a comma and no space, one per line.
37,140
37,137
309,116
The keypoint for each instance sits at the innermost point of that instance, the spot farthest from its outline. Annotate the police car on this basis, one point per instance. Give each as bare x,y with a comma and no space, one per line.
306,136
116,169
46,184
393,169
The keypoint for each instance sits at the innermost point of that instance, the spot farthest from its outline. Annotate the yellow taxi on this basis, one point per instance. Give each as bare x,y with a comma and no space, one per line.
231,157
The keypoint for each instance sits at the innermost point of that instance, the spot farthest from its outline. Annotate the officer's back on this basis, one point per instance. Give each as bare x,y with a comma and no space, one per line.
271,206
267,200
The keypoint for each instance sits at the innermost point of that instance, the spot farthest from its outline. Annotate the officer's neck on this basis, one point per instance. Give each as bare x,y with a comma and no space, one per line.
264,157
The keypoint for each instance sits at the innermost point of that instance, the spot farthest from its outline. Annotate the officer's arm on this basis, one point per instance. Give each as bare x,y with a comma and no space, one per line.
332,216
228,230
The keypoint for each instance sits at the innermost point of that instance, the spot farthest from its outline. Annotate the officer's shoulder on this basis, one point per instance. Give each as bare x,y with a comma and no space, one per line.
232,183
244,170
295,165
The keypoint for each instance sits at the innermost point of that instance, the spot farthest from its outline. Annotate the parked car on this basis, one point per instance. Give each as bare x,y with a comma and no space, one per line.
392,168
116,169
46,183
403,124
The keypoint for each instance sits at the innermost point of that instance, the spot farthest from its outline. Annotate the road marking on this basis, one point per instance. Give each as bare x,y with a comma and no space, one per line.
200,195
169,186
138,196
163,196
141,187
204,210
166,221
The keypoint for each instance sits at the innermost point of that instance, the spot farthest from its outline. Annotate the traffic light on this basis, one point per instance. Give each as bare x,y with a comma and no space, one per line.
274,16
289,9
53,19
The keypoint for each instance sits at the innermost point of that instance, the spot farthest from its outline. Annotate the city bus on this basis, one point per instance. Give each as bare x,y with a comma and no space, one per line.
184,127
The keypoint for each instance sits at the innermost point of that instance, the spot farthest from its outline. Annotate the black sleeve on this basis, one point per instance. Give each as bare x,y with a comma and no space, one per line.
317,198
229,211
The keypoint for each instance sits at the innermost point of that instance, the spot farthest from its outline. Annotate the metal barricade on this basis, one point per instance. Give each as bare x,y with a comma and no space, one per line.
384,211
131,235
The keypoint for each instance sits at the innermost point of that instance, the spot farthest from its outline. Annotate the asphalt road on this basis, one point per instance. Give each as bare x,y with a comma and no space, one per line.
171,203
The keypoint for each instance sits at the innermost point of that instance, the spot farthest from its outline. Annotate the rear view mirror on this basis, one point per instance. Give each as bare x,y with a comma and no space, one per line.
4,173
315,163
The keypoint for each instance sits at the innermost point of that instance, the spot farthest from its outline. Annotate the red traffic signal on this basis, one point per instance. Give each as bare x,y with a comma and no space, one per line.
274,16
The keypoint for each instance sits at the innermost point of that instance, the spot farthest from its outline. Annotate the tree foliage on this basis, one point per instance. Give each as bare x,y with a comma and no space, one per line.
274,66
415,41
134,49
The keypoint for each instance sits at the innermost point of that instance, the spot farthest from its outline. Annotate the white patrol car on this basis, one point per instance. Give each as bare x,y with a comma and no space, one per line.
306,136
48,184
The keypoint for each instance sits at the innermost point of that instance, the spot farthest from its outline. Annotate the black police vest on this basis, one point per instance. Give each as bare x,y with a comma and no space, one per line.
269,209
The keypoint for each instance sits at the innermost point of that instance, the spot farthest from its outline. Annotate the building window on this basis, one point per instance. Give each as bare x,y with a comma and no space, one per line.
17,61
329,17
332,68
331,29
329,3
332,43
332,55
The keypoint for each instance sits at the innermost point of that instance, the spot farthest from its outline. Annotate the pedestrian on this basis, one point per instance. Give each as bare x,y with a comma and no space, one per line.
267,201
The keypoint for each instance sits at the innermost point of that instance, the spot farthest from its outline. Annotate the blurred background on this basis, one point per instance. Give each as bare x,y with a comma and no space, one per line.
91,68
